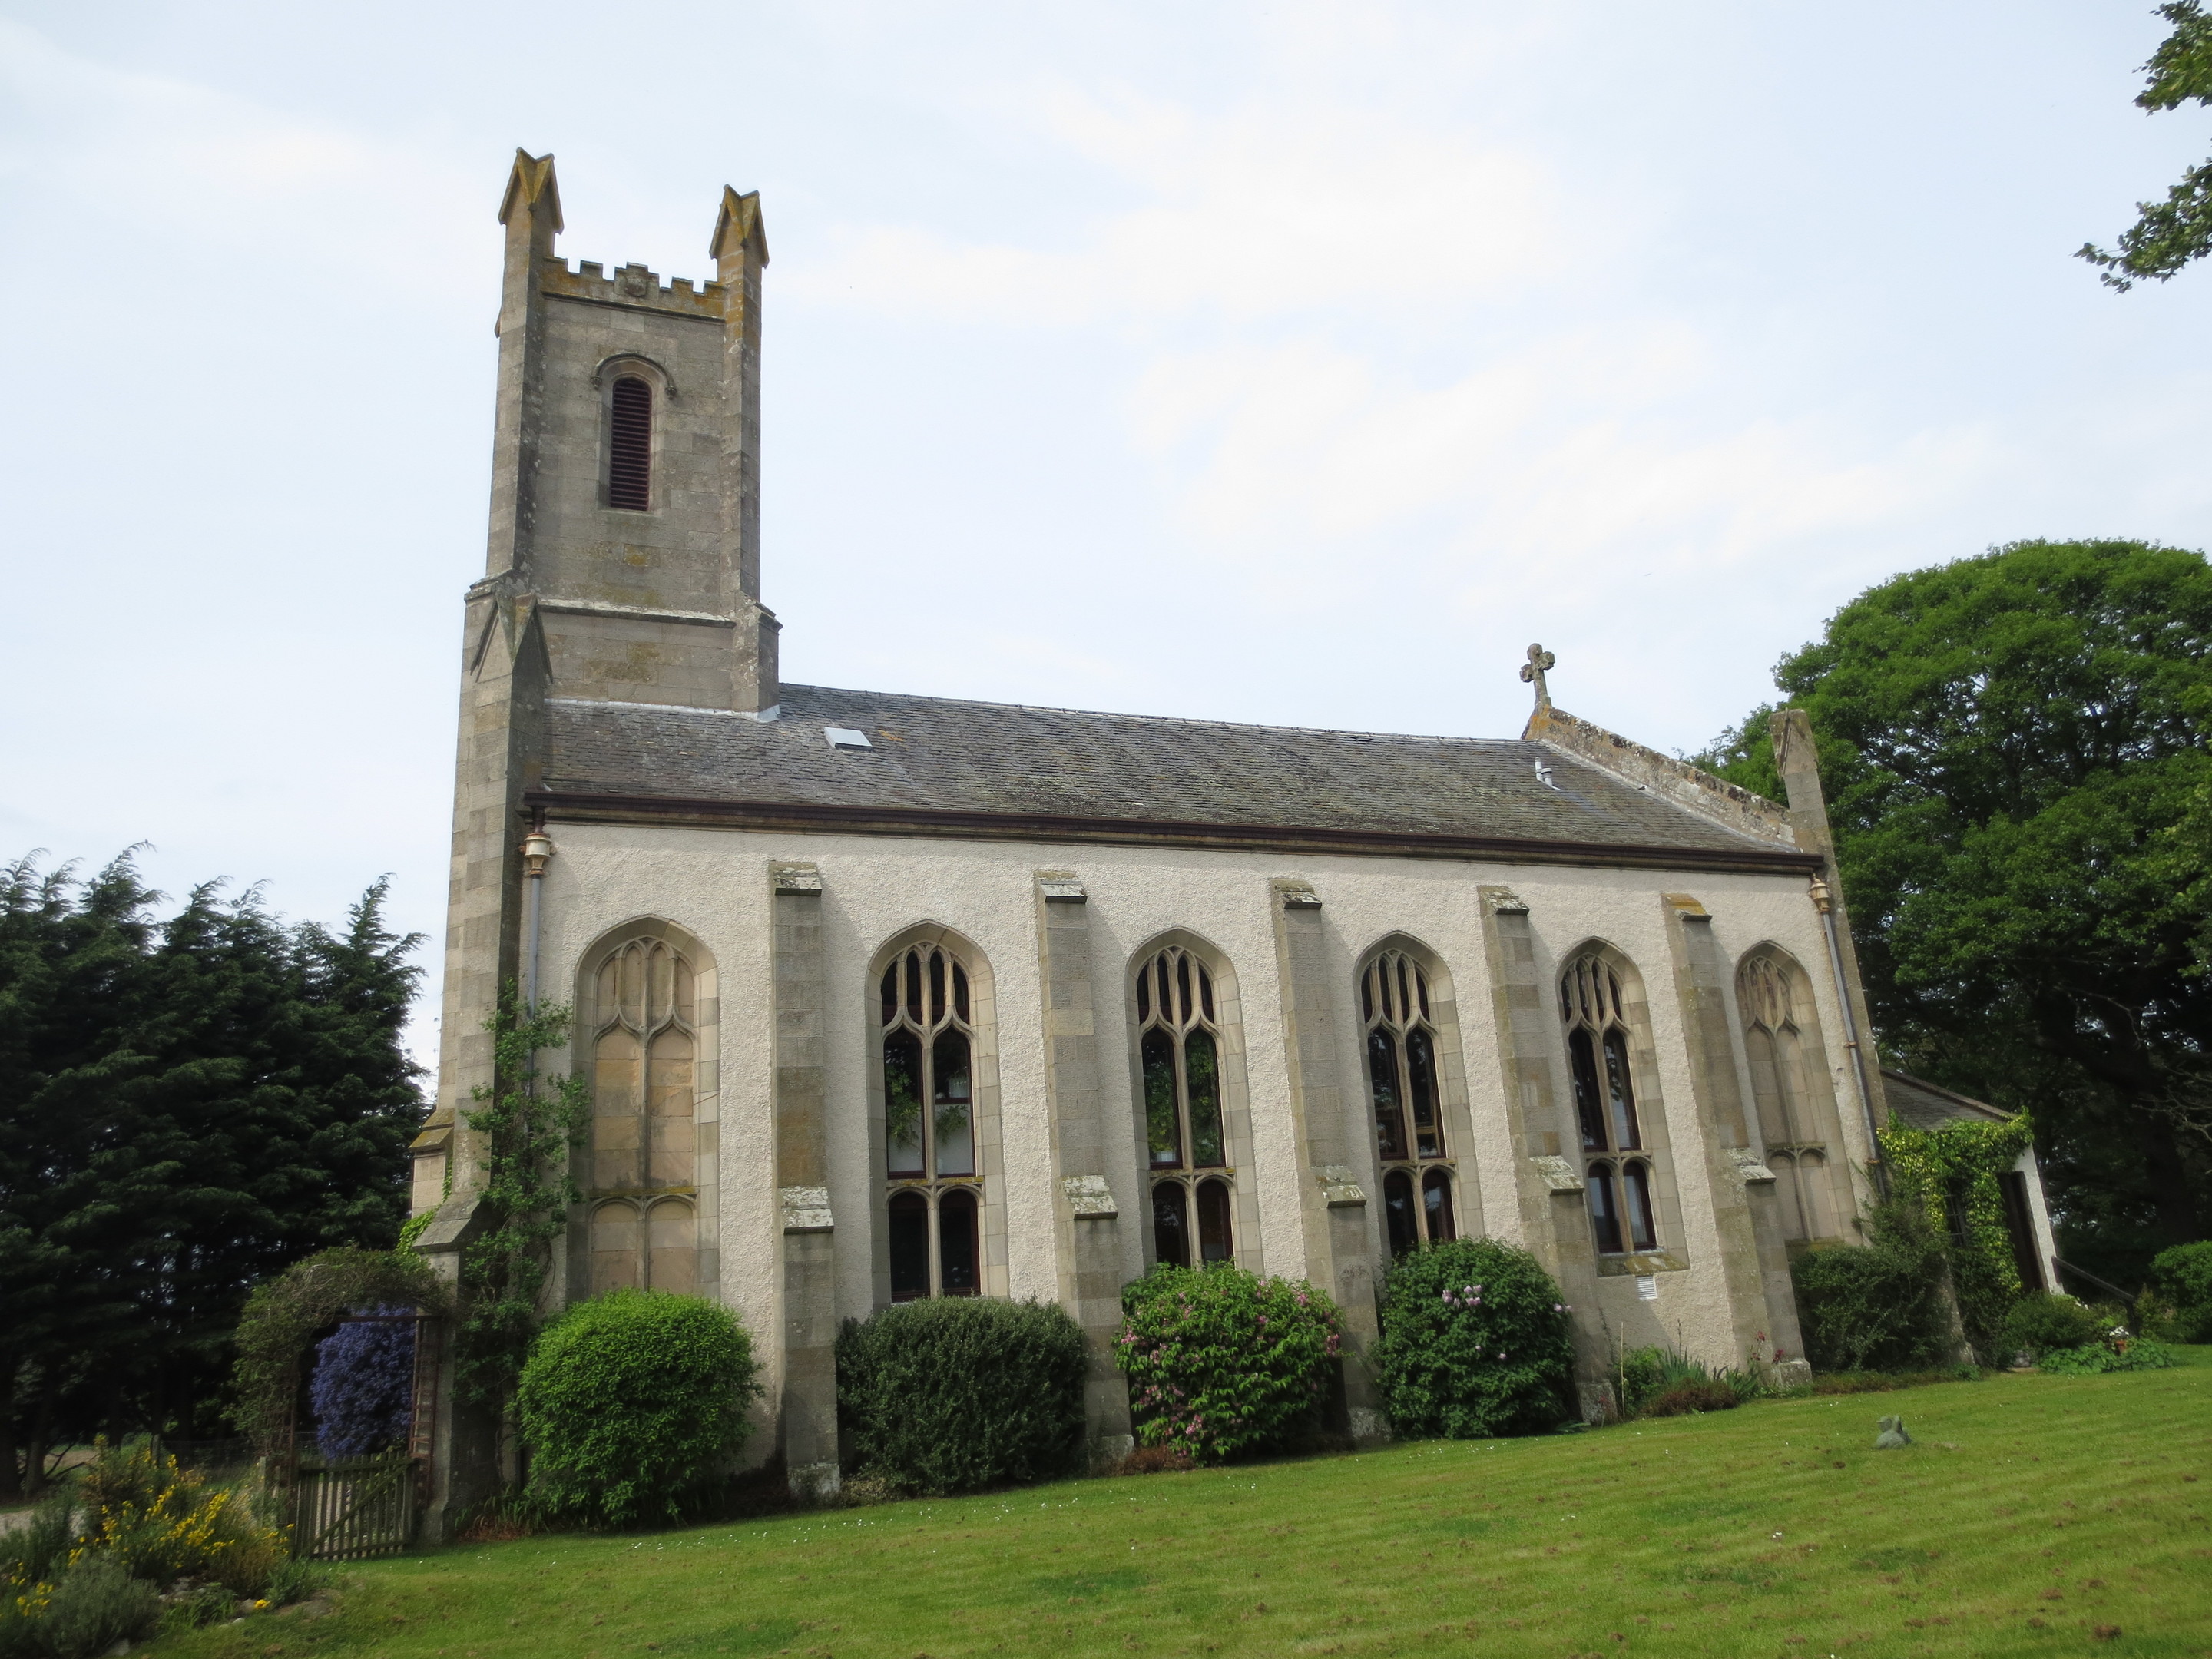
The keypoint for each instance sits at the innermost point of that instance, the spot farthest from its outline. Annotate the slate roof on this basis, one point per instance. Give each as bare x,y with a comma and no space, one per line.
1922,1105
938,754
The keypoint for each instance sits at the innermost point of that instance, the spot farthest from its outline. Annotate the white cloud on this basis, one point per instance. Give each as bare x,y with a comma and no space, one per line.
1572,457
1270,210
1381,334
211,169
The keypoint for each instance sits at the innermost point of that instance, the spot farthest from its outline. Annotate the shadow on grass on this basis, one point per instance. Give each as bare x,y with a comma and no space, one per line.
1089,1585
759,1636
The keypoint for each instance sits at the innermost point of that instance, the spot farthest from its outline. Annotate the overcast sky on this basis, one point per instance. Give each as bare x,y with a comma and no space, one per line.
1284,362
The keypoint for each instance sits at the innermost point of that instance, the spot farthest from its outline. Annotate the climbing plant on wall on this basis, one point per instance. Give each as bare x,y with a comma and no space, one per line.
529,1124
1956,1168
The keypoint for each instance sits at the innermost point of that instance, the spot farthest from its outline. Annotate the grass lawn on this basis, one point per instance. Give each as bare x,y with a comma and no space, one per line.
2033,1511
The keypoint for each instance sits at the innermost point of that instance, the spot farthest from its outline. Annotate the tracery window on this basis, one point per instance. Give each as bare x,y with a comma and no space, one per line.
1617,1182
643,1224
932,1212
1797,1104
630,445
1404,1083
1179,1049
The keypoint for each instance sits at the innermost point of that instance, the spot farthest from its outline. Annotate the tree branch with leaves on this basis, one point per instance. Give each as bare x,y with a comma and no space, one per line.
2169,234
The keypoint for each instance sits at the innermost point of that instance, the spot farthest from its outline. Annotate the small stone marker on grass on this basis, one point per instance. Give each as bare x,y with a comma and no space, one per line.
1892,1434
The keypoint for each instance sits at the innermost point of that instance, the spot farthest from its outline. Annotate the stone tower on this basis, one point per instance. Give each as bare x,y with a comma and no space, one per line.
623,567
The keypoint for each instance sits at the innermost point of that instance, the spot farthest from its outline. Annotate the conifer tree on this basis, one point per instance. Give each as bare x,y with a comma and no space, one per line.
186,1106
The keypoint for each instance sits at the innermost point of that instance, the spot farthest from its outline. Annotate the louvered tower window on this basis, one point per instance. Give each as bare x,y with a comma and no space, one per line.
629,447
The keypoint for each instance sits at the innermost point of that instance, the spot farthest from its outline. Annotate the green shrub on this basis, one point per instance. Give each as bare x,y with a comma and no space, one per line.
1223,1364
23,1603
962,1392
2043,1321
631,1403
1829,1383
94,1604
1692,1394
294,1580
1644,1376
1474,1343
1642,1373
1877,1306
89,1569
210,1604
1987,1288
34,1552
162,1523
2182,1278
2095,1357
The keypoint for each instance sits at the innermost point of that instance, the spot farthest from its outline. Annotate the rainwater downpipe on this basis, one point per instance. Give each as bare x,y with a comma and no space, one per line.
536,852
1825,903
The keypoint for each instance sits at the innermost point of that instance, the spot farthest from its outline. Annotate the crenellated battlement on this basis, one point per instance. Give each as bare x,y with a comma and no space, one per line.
631,285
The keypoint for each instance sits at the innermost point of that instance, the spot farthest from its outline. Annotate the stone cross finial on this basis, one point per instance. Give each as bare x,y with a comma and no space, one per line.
1532,673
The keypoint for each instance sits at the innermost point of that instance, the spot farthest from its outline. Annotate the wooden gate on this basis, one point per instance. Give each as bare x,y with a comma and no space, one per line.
352,1510
368,1506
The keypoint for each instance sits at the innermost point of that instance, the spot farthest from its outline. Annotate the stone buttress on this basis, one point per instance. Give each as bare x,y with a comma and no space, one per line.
1087,1218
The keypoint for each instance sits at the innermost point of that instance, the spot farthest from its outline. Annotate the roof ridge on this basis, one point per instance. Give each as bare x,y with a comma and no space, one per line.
1162,720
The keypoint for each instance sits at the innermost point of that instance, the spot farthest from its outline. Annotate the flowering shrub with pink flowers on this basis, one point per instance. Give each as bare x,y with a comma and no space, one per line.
1474,1343
1222,1363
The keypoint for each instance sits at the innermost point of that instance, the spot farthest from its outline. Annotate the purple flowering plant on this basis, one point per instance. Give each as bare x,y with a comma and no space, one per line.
363,1390
1222,1363
1474,1343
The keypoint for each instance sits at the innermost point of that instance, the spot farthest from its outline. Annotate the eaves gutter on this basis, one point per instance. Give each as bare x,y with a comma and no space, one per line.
570,806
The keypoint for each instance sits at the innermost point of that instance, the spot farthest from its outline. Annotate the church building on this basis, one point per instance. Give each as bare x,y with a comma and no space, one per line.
884,995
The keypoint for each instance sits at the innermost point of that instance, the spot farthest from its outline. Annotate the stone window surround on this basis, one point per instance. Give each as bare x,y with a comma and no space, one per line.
705,1192
631,365
989,1181
1821,1081
1235,1099
1455,1109
1652,1123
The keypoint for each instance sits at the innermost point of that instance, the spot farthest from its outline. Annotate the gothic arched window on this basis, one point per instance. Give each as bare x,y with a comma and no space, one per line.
1405,1079
929,1126
1179,1046
643,1228
1798,1116
630,445
1618,1187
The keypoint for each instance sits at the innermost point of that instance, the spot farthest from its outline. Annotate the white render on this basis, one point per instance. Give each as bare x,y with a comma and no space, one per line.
710,884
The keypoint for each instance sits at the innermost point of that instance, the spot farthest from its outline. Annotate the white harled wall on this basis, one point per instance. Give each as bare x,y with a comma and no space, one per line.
714,884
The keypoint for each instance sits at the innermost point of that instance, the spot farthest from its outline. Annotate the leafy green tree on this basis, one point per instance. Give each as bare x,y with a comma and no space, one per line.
2166,235
2013,747
185,1106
